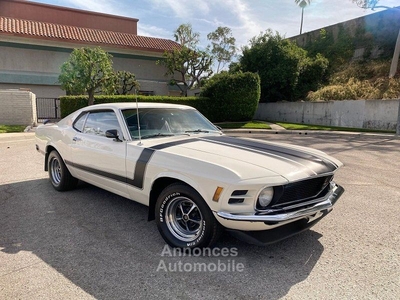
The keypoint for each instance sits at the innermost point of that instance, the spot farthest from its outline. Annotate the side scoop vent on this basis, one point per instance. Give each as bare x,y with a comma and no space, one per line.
238,196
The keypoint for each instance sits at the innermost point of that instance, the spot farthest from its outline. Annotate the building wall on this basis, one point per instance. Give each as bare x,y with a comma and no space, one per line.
43,91
17,108
369,114
67,16
37,68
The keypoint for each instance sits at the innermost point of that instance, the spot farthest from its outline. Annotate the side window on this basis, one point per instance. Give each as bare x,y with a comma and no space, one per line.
98,122
80,121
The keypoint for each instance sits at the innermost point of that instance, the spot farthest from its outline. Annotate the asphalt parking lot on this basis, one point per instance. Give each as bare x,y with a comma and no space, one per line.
89,243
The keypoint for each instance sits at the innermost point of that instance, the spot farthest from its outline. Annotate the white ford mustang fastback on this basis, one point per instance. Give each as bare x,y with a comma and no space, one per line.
195,180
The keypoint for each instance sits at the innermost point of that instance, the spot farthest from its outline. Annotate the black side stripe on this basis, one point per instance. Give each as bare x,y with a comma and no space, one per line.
315,162
96,171
140,168
144,158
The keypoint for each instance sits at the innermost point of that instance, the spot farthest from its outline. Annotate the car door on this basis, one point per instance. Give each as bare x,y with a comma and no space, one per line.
96,158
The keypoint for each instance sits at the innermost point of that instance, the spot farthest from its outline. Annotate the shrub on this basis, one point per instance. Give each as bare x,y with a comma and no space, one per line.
71,103
354,89
287,72
234,96
226,97
393,89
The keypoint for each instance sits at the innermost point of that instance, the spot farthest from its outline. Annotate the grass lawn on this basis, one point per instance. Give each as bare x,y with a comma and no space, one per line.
294,126
12,128
245,125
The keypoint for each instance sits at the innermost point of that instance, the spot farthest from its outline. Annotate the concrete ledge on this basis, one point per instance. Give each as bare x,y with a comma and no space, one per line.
16,136
363,114
307,132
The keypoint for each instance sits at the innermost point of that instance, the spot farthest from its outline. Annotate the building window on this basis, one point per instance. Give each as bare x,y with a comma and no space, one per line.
146,93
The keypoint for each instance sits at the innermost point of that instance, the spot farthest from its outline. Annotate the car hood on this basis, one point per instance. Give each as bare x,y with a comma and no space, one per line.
253,158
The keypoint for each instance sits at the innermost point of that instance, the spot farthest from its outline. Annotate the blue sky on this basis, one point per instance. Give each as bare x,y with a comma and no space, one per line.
246,18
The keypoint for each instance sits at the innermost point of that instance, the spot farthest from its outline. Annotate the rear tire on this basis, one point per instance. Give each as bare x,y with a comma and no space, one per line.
60,178
184,219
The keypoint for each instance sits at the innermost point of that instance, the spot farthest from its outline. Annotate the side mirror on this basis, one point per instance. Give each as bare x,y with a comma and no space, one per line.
113,134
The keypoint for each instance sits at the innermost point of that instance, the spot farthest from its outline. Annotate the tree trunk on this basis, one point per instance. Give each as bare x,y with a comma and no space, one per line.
91,97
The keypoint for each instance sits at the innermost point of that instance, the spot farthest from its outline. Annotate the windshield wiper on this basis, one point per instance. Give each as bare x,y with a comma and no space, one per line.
157,135
197,131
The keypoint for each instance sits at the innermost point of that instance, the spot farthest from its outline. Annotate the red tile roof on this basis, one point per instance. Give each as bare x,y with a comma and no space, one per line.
51,31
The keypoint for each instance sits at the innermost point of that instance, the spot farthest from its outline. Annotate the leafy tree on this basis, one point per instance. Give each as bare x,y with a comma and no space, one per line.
124,83
368,4
302,4
281,64
185,36
88,70
190,64
223,46
234,67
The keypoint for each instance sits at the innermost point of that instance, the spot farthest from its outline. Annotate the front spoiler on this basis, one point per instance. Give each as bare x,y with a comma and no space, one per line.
270,236
287,224
326,204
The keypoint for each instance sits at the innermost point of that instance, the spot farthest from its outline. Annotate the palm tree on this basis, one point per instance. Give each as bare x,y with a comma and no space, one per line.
302,4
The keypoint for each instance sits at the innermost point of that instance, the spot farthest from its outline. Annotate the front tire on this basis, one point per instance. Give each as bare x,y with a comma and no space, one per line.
60,177
184,219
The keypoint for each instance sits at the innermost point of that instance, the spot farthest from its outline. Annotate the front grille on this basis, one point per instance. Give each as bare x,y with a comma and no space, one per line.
301,190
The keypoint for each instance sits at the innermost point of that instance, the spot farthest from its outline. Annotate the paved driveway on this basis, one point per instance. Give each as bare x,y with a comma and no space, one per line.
89,243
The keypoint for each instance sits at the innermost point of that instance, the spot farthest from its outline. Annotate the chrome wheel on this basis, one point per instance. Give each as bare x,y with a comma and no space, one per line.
183,219
60,177
55,171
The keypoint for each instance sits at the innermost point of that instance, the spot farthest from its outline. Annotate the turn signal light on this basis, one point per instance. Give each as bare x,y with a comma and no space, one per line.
217,193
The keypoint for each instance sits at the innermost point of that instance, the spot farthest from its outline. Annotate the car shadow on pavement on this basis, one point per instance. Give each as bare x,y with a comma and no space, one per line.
104,245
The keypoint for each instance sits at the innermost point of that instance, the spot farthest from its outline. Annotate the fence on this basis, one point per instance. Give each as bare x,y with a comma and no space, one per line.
48,108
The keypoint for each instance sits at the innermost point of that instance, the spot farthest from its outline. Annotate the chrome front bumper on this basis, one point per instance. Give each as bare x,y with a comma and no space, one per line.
323,206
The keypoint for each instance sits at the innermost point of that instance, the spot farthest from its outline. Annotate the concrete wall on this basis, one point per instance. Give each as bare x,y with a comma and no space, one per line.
17,108
373,32
371,114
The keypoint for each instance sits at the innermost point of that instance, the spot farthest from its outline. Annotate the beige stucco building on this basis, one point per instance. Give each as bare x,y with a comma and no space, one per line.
36,39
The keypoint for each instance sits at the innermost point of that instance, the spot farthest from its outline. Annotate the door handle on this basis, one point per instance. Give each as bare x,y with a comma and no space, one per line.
76,139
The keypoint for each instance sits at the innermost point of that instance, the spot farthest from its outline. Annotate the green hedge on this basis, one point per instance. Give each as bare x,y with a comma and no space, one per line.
235,96
70,104
227,97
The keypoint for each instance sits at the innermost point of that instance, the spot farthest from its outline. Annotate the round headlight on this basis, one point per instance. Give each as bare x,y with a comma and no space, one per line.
265,197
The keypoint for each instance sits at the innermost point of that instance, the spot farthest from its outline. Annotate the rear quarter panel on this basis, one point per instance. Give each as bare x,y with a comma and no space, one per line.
53,136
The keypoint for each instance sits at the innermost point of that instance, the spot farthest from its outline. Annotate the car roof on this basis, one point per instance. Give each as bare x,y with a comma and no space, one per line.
132,105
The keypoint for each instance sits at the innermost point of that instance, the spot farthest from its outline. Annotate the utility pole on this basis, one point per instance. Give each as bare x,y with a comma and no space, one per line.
395,60
398,122
393,71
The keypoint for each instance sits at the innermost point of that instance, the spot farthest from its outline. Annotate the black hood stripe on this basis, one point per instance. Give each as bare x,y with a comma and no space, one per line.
314,162
171,144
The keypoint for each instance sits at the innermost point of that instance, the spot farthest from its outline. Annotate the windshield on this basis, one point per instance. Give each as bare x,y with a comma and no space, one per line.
160,122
